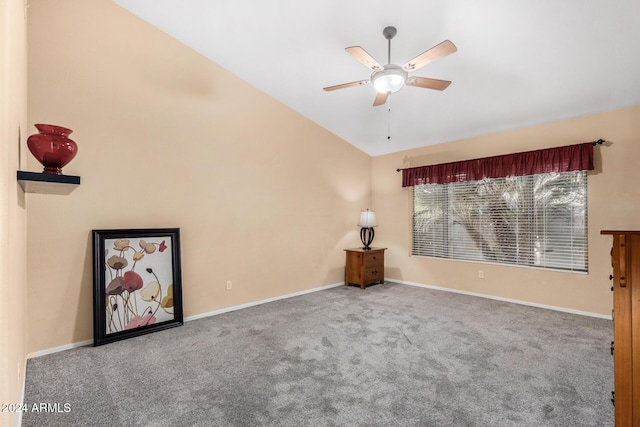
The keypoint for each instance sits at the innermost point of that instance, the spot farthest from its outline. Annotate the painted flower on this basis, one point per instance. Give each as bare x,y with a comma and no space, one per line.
148,247
131,281
150,292
138,256
137,321
121,245
167,301
162,246
117,262
115,287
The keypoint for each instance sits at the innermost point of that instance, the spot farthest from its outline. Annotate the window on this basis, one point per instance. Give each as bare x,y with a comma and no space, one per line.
534,220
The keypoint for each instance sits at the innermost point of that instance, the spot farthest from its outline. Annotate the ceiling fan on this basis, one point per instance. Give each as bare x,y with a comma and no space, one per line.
391,78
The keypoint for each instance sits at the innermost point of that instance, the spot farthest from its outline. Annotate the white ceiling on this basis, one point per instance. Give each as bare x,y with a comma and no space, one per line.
519,63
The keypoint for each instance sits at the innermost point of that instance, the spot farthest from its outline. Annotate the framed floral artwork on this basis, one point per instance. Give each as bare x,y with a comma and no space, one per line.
137,287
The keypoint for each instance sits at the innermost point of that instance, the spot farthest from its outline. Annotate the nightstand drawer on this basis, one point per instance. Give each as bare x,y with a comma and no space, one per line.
374,259
374,274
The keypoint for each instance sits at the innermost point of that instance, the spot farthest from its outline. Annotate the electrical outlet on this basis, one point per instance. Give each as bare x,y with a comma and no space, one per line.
480,274
229,285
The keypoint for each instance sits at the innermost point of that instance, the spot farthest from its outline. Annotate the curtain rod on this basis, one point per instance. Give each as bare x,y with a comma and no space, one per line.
598,142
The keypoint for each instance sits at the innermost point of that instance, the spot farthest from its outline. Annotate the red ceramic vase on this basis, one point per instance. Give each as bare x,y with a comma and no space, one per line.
52,147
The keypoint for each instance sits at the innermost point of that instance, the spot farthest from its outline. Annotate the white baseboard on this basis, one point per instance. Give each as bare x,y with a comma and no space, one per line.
515,301
18,419
195,317
59,349
264,301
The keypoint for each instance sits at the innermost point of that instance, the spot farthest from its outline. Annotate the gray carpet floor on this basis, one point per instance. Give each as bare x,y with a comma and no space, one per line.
391,355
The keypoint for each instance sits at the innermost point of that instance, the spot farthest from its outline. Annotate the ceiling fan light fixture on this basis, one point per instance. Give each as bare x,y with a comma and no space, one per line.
390,79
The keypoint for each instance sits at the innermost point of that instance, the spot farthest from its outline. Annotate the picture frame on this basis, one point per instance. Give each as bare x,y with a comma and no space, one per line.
137,282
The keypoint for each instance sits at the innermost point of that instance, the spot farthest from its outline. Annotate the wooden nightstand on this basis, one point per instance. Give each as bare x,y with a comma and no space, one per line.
364,267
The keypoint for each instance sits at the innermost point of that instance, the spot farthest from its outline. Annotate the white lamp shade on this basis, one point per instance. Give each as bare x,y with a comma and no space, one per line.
389,80
367,219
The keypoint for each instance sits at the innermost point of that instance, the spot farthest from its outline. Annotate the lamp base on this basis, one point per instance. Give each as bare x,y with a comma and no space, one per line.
366,235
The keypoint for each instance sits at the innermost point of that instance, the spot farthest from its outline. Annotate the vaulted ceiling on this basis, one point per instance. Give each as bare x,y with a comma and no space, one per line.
518,63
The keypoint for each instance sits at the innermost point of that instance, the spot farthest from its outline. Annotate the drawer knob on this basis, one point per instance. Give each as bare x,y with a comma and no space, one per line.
611,277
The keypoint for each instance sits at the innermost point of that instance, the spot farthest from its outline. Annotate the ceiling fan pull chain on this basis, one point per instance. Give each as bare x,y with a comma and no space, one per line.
389,118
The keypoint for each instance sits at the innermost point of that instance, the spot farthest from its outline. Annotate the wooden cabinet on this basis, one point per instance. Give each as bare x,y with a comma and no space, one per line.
625,259
364,267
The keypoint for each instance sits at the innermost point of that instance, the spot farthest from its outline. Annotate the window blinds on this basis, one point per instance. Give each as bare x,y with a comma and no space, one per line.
536,220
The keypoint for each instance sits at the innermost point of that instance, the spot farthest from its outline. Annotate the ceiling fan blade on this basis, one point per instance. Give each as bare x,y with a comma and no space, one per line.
427,83
381,98
361,55
344,85
438,51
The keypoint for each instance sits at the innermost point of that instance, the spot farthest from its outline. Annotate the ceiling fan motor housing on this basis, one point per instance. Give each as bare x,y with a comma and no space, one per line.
390,79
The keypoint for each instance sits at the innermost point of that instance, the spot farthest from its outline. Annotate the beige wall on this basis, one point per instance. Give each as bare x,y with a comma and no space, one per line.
614,202
263,196
13,278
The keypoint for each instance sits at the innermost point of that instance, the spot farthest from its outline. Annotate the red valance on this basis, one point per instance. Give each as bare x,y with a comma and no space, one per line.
558,159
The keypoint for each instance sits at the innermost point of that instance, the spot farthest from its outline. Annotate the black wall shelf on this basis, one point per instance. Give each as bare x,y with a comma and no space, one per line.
46,183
